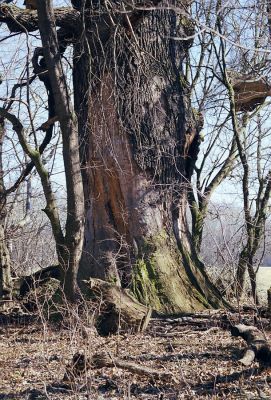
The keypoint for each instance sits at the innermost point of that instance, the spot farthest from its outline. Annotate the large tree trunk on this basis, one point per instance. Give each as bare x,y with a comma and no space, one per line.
139,142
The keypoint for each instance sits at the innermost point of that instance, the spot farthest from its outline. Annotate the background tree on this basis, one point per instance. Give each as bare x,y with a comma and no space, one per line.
243,73
68,245
217,151
5,264
246,95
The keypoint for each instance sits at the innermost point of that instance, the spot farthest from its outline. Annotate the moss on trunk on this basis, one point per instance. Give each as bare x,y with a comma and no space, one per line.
139,141
159,278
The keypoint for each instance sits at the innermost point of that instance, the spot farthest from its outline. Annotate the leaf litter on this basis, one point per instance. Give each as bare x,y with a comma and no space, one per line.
203,361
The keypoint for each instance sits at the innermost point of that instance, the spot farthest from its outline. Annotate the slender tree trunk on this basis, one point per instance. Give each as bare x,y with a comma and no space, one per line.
5,270
245,264
69,246
5,263
198,215
239,283
253,281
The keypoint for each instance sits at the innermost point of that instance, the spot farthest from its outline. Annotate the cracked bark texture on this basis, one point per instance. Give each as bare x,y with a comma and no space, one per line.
138,145
138,148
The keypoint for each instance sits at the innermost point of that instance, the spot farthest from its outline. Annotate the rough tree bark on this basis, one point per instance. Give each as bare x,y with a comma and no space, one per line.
138,145
139,142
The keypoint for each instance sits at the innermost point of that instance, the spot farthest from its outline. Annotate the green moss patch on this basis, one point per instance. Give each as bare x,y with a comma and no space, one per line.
159,279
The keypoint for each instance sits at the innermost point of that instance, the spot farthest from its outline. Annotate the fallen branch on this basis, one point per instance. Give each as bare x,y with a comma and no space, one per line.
258,347
80,364
100,360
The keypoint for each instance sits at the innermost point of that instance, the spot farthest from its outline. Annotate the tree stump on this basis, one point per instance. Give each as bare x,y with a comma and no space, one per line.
38,289
78,367
118,310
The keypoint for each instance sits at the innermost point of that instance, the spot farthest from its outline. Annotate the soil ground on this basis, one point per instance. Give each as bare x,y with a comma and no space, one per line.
202,358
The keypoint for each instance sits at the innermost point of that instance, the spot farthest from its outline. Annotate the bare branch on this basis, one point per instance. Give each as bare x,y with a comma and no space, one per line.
51,207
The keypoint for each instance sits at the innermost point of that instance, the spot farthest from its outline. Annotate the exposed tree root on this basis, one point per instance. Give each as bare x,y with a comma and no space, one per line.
258,347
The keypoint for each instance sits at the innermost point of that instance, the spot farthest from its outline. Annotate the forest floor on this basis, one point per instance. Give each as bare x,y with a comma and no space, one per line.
201,356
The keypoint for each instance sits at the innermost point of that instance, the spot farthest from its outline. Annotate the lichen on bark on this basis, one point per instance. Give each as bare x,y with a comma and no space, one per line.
139,140
158,277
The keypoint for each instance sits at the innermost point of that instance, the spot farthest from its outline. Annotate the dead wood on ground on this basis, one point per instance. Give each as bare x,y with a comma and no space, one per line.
80,364
103,359
119,311
258,347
